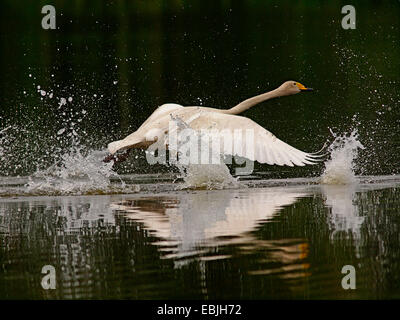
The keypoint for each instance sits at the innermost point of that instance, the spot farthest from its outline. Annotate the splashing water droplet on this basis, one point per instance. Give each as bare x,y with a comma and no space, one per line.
340,168
77,172
62,102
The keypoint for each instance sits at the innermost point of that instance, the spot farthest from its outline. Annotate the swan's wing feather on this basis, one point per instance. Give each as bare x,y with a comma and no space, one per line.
267,148
161,111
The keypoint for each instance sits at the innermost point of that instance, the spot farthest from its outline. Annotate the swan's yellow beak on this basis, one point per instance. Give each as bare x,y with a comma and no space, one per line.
302,87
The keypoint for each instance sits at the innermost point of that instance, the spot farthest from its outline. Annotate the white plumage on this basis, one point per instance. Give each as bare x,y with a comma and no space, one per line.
264,146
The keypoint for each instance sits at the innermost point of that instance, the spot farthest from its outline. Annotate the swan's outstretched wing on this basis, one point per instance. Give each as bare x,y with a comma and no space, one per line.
264,146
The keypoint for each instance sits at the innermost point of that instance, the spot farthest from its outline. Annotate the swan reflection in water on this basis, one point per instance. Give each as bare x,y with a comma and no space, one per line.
187,225
345,216
191,225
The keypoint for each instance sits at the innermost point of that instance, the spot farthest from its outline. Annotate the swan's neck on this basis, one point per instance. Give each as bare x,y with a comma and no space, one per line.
247,104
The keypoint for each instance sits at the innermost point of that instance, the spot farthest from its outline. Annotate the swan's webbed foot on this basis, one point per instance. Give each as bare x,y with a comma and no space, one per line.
117,158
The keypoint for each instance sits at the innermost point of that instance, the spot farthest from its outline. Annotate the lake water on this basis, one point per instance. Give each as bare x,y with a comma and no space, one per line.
140,231
266,239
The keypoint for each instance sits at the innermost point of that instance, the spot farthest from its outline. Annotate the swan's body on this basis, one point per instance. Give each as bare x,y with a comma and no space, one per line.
267,148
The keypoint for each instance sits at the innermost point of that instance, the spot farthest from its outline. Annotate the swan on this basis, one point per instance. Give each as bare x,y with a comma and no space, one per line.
268,148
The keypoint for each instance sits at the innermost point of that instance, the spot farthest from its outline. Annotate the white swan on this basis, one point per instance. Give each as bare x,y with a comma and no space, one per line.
267,148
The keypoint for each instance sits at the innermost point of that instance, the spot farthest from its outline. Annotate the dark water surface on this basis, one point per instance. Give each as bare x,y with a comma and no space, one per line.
284,239
132,232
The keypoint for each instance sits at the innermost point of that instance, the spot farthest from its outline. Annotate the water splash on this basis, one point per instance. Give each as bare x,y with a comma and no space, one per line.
207,176
340,168
214,175
51,155
78,172
60,165
2,141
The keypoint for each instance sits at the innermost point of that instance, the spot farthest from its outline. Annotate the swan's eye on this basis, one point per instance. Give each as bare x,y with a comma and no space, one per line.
294,83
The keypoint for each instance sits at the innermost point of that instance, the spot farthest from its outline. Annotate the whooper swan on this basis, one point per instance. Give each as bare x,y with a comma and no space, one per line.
267,148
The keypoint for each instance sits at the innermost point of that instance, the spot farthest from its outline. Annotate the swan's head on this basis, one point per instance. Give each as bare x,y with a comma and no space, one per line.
292,87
